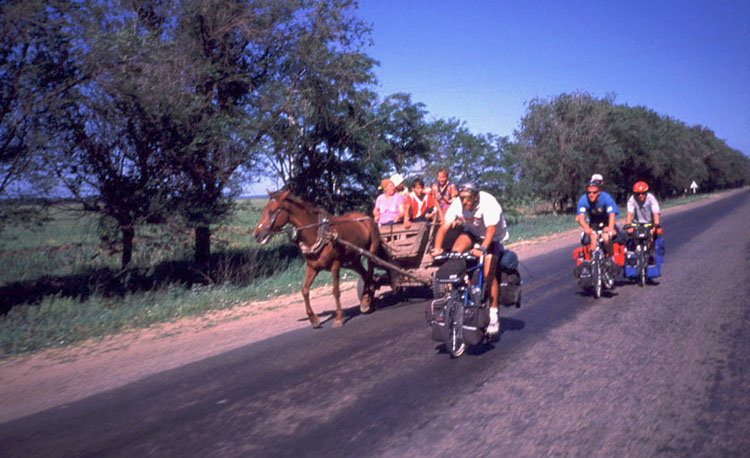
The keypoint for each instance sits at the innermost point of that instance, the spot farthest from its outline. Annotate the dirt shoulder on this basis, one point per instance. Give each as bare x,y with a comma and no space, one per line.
47,379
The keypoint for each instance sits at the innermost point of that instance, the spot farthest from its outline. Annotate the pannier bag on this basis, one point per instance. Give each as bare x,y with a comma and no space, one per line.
631,265
510,288
450,270
508,261
618,255
509,279
436,319
584,274
653,271
476,320
579,254
659,251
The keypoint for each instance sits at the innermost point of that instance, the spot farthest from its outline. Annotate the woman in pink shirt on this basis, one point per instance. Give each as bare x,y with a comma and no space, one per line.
389,206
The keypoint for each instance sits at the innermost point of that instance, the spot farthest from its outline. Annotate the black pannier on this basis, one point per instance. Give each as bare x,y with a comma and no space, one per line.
583,272
476,320
510,288
509,279
451,269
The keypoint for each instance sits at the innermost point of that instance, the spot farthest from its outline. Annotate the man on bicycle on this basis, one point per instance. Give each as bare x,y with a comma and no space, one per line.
601,211
643,208
483,222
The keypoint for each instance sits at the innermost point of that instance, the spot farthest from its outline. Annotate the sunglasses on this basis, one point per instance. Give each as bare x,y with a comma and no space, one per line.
640,193
465,198
592,192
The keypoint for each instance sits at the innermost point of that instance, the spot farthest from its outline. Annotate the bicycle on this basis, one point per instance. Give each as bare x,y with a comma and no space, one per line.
592,271
641,239
459,316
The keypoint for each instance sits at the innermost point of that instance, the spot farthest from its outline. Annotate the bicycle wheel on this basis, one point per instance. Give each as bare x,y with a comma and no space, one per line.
455,343
597,274
642,275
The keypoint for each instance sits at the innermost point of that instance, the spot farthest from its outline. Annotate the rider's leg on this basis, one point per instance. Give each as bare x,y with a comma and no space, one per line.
463,243
607,241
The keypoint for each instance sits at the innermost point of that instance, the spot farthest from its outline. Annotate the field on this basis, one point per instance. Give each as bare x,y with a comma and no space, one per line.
60,285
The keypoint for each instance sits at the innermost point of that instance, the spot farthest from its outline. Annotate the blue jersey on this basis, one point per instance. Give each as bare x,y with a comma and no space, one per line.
598,211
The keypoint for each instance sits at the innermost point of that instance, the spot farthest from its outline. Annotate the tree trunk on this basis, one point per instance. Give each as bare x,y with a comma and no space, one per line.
202,247
128,234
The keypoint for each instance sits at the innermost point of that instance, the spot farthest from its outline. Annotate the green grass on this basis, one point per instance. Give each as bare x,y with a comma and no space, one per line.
60,286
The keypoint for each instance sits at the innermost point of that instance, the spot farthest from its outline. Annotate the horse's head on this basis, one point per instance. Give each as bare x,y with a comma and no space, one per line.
275,215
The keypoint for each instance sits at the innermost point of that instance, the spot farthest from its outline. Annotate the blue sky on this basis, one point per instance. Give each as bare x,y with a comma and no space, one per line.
481,61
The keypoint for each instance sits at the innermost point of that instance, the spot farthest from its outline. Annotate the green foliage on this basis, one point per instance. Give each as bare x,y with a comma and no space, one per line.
565,139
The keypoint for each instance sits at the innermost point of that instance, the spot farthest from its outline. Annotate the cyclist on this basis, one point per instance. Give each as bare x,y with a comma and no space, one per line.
601,210
643,208
483,222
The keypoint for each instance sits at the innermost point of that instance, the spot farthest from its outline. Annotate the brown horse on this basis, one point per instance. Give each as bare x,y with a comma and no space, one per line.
317,232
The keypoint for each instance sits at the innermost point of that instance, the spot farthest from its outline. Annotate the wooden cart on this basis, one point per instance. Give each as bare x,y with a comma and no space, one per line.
410,262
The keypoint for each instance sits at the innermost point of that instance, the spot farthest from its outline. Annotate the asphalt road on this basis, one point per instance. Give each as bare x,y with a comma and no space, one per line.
662,370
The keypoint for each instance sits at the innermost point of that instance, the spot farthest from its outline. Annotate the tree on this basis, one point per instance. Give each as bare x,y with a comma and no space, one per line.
562,141
37,70
175,109
330,140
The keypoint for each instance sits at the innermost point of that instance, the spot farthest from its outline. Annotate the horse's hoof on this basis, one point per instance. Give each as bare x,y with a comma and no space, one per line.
338,323
315,322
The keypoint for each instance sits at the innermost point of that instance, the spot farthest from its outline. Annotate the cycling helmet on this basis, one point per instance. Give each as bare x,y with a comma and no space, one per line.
468,186
640,187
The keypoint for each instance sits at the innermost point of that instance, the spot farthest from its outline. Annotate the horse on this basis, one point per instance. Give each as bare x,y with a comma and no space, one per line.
316,233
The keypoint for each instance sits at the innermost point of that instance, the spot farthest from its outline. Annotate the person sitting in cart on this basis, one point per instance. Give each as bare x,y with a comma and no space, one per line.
389,206
643,208
443,191
421,204
601,211
483,222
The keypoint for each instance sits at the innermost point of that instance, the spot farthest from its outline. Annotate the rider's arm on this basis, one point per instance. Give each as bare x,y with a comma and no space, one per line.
611,222
581,220
628,218
657,219
488,234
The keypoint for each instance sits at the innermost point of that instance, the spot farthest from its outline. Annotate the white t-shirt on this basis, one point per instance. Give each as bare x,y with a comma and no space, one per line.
487,213
643,213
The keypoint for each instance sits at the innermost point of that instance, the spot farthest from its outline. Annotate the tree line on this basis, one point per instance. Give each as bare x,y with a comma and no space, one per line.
564,139
160,111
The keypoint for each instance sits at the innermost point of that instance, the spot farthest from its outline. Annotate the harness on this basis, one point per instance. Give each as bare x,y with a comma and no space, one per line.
324,235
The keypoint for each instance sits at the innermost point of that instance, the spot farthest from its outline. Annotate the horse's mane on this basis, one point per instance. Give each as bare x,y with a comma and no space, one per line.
298,201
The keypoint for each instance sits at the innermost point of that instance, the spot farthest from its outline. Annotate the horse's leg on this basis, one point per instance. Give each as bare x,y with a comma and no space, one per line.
335,267
310,275
366,274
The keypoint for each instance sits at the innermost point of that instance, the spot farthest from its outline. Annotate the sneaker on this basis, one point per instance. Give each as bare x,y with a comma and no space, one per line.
494,326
